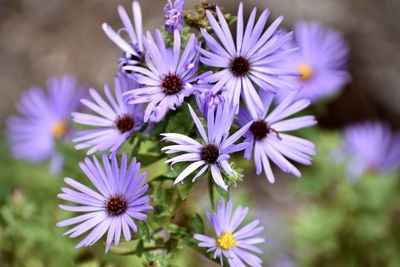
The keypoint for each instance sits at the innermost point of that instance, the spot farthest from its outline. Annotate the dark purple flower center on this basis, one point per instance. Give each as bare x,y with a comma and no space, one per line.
116,205
125,123
172,84
240,66
259,129
210,153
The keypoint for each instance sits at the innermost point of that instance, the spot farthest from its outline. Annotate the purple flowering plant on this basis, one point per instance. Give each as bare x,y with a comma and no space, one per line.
189,103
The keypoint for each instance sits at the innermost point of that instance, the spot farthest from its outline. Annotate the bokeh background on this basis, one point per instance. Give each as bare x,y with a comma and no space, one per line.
43,38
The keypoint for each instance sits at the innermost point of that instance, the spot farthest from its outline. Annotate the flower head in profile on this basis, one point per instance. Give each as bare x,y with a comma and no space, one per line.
269,140
114,119
213,152
370,146
250,62
321,61
206,99
133,50
169,77
173,15
118,200
44,119
235,243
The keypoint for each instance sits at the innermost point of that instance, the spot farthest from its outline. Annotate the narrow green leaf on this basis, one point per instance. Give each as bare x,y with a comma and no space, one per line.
197,224
143,230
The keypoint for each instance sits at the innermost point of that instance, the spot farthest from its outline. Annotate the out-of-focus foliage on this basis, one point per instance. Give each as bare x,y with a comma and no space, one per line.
346,222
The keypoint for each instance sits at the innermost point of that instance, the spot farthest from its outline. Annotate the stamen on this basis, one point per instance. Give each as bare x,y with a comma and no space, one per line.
125,123
59,129
210,153
226,241
306,71
116,205
172,84
260,129
240,66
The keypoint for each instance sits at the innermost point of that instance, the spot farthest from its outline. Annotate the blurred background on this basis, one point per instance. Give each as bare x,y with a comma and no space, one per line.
43,38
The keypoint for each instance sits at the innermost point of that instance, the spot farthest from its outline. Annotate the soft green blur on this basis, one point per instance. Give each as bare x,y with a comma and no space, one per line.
346,222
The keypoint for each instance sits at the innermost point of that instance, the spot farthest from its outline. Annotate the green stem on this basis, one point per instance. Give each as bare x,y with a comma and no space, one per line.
121,252
211,191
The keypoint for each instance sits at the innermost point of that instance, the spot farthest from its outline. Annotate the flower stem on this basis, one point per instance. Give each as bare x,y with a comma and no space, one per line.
211,192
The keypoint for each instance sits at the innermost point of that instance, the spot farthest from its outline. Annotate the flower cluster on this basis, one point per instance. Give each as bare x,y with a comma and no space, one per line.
246,93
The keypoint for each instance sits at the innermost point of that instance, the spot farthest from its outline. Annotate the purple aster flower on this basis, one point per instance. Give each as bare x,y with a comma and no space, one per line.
370,146
118,200
321,61
213,152
44,119
235,243
267,136
173,15
169,77
208,100
114,121
133,50
250,61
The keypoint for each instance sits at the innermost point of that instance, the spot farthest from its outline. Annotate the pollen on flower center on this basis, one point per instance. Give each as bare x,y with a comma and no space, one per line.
240,66
125,123
306,71
259,129
172,84
210,153
59,129
116,205
226,241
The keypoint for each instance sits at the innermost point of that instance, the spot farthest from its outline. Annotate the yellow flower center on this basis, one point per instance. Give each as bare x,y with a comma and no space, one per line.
306,71
226,241
59,129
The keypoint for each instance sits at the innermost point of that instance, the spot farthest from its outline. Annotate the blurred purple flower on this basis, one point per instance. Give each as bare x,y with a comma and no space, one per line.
173,15
119,199
169,77
235,243
214,153
370,146
249,63
322,61
267,136
114,121
133,50
44,119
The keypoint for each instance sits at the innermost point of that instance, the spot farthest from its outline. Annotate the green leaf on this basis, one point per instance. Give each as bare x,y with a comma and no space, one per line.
174,171
139,248
185,242
181,122
147,159
143,230
176,230
197,224
216,192
185,189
